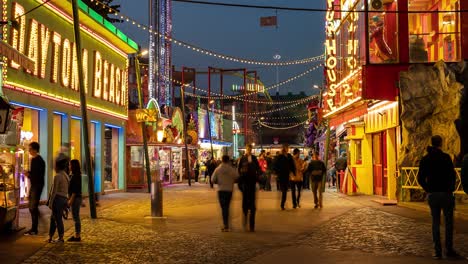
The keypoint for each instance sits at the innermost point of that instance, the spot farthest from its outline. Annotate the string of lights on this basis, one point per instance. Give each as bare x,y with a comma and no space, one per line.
220,96
314,9
282,124
284,117
206,51
282,128
258,114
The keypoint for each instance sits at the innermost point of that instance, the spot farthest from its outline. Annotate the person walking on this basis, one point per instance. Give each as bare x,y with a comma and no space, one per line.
306,175
58,199
224,176
437,177
249,171
269,171
340,167
317,169
284,166
196,170
36,177
263,167
211,166
75,198
296,179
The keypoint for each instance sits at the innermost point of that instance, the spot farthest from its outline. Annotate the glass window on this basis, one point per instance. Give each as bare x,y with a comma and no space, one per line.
434,36
75,139
350,48
383,33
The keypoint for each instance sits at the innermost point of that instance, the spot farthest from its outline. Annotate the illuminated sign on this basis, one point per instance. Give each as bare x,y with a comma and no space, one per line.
331,62
260,88
331,50
147,115
49,44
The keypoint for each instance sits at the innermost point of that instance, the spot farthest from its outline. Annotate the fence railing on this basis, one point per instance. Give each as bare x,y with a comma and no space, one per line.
409,179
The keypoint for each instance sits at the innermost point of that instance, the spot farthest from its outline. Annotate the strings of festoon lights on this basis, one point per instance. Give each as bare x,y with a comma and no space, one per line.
282,124
283,128
276,85
206,51
262,112
284,117
218,96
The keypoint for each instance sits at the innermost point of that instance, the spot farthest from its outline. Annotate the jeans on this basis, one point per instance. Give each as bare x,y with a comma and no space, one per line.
446,202
56,221
248,204
76,213
225,200
284,186
296,199
268,181
317,190
34,198
306,182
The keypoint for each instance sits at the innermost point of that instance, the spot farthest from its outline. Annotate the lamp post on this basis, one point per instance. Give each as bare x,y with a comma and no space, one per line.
260,131
277,57
84,110
143,127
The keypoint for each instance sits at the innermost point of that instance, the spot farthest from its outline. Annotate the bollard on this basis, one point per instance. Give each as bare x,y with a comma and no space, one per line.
156,199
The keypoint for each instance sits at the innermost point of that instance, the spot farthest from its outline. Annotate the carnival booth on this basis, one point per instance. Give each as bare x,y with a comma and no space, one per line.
166,146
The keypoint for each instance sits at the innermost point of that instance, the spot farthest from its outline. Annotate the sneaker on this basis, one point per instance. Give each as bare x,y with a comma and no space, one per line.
437,256
31,233
452,254
74,239
316,206
60,240
282,209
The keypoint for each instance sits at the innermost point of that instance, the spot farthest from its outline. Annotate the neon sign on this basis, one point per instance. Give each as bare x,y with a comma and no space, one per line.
55,56
331,62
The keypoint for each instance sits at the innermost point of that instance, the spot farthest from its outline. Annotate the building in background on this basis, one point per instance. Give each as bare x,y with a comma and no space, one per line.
48,94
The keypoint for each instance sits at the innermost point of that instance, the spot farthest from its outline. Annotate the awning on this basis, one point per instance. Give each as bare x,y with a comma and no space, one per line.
349,114
16,56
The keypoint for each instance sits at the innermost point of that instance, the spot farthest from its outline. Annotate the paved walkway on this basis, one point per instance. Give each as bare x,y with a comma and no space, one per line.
346,230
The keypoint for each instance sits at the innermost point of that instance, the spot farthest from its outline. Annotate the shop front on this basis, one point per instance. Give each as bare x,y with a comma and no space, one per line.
48,96
362,87
166,146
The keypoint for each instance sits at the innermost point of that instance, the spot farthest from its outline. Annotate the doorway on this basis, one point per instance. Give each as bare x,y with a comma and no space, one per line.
379,160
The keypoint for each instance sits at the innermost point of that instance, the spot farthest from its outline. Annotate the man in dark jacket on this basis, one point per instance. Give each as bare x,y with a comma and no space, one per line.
437,177
36,177
316,170
340,167
249,171
284,165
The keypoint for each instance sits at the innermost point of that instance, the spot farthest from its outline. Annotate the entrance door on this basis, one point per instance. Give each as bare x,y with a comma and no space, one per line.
379,159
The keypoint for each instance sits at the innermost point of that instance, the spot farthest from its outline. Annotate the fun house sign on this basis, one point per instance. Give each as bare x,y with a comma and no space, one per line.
46,37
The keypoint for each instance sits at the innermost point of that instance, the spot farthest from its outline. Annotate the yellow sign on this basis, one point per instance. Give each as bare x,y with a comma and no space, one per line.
146,115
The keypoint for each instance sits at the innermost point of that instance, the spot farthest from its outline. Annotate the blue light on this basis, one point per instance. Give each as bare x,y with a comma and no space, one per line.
59,113
76,117
27,106
112,126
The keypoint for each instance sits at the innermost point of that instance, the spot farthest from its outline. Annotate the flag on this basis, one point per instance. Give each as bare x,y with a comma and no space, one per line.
268,21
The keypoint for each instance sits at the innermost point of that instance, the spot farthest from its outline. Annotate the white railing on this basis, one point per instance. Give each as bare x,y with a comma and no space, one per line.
409,179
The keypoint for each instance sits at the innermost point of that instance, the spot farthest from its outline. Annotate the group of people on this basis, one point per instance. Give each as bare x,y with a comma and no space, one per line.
290,170
64,193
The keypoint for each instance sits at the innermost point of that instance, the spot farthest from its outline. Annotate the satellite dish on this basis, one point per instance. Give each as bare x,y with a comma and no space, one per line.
377,4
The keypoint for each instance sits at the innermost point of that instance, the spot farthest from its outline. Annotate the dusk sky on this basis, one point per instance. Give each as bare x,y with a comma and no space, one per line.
237,32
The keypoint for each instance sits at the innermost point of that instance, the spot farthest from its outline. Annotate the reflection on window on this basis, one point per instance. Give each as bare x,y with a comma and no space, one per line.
358,151
383,37
434,36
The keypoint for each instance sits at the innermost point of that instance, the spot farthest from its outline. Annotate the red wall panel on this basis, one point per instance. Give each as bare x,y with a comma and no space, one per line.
379,81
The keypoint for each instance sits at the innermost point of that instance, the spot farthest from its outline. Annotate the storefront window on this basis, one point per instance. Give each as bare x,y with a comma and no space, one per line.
75,139
358,151
434,36
111,158
350,46
383,33
30,133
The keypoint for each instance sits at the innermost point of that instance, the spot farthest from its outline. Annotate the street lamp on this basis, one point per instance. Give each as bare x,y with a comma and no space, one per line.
321,93
277,57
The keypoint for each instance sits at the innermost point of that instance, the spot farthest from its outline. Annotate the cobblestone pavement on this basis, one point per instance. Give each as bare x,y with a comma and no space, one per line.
373,231
190,234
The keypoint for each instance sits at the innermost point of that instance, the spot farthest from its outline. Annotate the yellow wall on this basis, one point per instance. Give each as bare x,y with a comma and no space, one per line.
364,175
